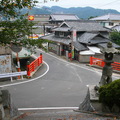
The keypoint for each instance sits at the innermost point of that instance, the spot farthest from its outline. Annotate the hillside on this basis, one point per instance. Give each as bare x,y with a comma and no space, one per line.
81,12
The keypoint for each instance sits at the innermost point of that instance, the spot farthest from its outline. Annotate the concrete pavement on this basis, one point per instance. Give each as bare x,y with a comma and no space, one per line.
59,114
62,114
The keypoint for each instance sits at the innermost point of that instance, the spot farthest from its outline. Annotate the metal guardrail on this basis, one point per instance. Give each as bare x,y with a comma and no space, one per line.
14,74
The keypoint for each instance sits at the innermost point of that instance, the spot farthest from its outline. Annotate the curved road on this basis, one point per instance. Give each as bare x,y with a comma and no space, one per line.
63,85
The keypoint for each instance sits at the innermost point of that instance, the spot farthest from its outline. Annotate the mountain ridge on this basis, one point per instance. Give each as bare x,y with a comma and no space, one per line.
81,12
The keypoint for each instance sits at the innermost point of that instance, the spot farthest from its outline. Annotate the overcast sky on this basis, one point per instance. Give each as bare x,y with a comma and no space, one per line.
102,4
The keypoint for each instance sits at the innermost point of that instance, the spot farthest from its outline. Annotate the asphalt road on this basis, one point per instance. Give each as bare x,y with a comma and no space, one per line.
63,85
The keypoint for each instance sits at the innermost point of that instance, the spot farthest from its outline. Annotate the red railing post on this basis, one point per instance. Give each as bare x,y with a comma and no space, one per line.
33,66
40,59
103,63
28,68
91,60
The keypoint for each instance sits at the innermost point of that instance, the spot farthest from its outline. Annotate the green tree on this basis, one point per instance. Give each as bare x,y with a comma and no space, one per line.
115,37
14,27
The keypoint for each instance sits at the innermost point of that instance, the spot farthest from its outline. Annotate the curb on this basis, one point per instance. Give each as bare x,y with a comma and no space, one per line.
100,114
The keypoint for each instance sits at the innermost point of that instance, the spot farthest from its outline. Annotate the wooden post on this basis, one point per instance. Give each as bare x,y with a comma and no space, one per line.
18,64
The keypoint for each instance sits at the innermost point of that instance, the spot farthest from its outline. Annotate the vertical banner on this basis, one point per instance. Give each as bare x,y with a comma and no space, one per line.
74,35
72,51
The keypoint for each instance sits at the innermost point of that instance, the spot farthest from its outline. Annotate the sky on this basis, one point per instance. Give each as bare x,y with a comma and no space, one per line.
101,4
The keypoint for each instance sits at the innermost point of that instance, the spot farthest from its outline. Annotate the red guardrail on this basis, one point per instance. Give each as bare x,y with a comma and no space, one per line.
101,63
31,67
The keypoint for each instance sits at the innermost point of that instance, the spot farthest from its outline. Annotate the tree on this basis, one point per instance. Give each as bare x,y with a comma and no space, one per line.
115,36
14,27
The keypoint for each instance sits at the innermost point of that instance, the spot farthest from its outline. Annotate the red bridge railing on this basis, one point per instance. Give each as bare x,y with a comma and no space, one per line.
101,63
31,67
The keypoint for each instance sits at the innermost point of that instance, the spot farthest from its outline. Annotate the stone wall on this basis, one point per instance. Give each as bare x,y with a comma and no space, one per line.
5,50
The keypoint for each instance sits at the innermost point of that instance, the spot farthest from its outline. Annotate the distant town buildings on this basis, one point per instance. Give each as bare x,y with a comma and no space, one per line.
46,22
90,37
109,20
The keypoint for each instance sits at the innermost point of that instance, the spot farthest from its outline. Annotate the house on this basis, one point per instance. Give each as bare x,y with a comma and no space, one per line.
116,28
85,38
41,18
108,20
57,19
46,22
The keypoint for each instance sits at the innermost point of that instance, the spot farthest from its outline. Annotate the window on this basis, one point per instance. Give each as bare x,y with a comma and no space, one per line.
111,23
61,34
103,24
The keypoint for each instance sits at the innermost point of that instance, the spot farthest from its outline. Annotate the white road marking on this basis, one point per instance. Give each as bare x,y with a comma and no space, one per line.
87,85
68,63
48,108
8,85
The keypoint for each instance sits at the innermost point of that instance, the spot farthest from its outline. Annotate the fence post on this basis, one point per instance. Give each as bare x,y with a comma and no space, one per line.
28,69
103,63
91,60
40,59
33,66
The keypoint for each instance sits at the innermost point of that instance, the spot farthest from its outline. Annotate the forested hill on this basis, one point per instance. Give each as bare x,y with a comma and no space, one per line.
81,12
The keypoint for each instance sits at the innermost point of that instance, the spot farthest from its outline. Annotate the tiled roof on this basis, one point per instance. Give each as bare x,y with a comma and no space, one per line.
105,44
62,17
53,38
79,47
63,29
81,25
107,17
92,38
117,27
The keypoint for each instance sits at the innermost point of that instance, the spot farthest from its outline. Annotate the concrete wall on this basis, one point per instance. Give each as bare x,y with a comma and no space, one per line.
86,58
117,58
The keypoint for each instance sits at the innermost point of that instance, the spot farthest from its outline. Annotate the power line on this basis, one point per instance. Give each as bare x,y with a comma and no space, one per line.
110,3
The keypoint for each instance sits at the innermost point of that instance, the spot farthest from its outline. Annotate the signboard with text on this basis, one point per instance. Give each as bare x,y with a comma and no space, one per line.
5,64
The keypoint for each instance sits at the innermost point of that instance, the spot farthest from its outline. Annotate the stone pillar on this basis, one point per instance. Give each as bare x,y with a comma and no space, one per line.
2,112
67,55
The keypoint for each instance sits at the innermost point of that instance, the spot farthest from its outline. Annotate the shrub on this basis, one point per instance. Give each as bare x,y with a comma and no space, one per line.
110,94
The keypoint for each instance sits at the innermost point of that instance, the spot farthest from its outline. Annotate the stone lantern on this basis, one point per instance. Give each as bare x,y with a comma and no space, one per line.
108,52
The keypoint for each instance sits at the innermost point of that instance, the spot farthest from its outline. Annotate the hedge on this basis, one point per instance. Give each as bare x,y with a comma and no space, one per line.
110,94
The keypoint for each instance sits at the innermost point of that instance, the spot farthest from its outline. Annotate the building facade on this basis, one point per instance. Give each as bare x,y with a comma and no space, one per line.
109,20
78,39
